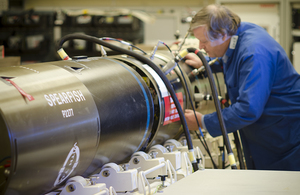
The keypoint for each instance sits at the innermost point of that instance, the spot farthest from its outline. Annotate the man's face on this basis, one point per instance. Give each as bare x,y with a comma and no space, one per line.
215,48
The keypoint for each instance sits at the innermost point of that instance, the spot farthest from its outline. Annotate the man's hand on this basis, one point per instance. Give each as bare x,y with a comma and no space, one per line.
193,60
191,120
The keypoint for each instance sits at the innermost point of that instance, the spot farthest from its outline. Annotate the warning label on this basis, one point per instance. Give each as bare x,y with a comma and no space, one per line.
171,113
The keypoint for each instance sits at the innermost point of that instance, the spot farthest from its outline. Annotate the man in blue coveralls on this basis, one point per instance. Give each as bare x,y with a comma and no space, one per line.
263,87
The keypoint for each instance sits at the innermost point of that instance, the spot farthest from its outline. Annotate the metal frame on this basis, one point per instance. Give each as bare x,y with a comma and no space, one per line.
288,29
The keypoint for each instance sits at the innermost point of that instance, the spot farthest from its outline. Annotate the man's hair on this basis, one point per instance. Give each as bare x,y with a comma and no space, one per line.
218,19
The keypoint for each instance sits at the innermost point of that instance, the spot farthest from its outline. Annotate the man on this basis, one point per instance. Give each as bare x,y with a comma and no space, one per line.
262,84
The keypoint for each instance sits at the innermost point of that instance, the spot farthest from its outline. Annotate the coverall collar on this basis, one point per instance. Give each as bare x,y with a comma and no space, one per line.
231,47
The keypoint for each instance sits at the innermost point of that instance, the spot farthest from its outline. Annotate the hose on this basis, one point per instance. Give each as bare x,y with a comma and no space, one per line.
217,105
199,137
238,146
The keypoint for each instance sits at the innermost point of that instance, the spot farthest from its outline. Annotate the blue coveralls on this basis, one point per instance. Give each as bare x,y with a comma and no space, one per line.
264,90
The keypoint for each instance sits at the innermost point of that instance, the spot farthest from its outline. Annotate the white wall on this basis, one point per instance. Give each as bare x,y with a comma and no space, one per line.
265,15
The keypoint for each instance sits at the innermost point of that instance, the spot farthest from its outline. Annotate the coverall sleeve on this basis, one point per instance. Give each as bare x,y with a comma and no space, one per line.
249,86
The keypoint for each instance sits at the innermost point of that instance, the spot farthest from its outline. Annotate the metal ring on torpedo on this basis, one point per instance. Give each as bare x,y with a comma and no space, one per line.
146,98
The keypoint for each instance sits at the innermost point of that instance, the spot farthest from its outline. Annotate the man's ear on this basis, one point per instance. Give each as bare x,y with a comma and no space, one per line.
224,37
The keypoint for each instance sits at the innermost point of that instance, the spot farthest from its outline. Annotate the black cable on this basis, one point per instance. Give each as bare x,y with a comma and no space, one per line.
188,92
154,67
217,105
239,149
189,95
236,137
238,146
191,102
123,42
204,144
208,151
235,134
218,84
